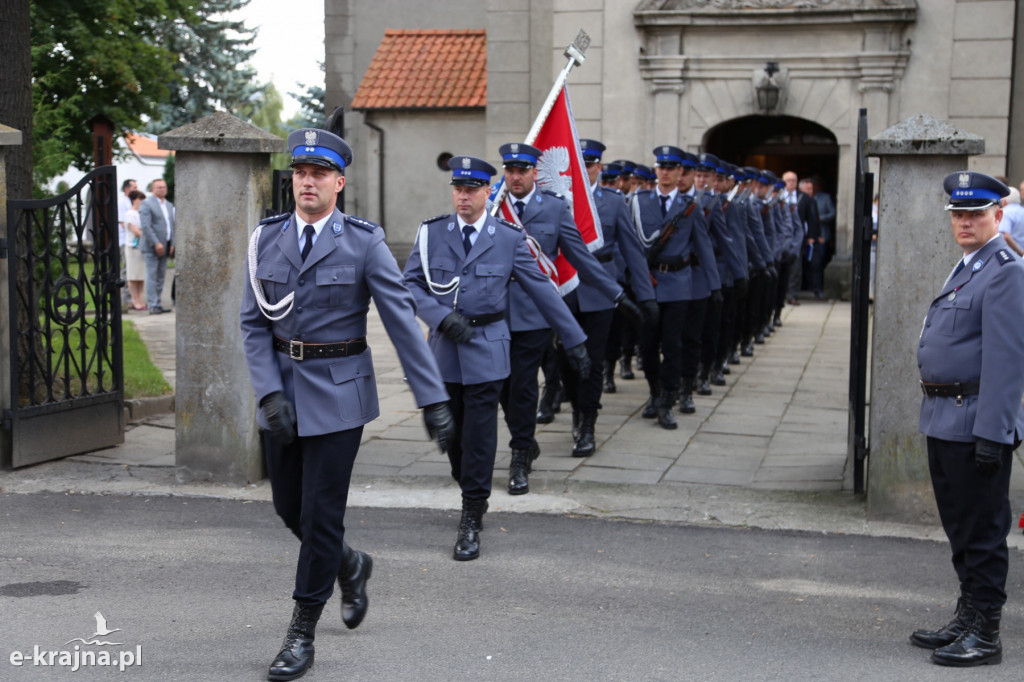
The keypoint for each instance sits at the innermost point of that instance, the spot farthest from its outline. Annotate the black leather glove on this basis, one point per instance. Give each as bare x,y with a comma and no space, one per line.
716,296
772,272
456,327
988,456
651,311
578,360
629,309
280,415
440,424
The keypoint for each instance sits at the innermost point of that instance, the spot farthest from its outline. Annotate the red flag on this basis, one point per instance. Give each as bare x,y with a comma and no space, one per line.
562,274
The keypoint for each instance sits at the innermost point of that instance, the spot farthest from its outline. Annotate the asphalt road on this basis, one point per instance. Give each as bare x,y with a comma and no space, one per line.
201,588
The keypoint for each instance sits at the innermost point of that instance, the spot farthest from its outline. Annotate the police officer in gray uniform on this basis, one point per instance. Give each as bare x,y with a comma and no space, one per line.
460,273
547,218
303,318
972,374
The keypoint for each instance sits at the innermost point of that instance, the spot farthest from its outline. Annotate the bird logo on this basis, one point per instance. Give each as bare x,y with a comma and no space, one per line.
101,631
553,162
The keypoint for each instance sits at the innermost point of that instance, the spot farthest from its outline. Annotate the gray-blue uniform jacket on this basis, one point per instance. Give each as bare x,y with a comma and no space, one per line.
729,264
548,219
621,251
348,264
973,332
783,228
736,221
756,227
690,238
485,276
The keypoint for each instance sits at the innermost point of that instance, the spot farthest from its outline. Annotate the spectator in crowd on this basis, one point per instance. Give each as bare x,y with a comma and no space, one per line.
1012,224
157,221
135,264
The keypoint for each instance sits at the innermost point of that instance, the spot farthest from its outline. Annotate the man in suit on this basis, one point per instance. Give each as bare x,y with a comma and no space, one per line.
460,274
807,226
972,375
673,229
547,219
157,217
312,274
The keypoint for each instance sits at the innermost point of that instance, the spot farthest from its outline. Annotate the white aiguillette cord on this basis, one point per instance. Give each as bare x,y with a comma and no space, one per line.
257,288
436,289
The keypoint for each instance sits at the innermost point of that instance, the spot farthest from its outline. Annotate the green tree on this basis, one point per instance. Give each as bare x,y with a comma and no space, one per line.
212,64
95,57
312,112
268,117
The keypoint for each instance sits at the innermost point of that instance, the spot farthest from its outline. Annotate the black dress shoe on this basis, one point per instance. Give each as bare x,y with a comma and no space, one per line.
467,545
704,386
356,568
296,655
666,419
626,368
978,645
778,321
748,350
156,310
734,359
717,378
650,409
518,468
609,378
759,339
584,444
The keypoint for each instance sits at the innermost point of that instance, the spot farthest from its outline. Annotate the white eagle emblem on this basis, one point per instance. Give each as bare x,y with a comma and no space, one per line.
310,136
515,147
965,179
552,163
664,150
466,162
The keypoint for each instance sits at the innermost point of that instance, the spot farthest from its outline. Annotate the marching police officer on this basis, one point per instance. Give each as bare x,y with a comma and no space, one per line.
460,273
972,375
312,274
675,234
547,219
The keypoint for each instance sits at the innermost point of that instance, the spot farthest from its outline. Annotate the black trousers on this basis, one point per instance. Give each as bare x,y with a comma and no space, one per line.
309,479
752,311
585,393
782,290
663,371
519,394
709,350
727,335
475,408
976,515
693,330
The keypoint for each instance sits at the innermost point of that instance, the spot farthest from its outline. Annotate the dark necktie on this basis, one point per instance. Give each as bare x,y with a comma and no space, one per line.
664,205
519,209
466,243
957,269
308,232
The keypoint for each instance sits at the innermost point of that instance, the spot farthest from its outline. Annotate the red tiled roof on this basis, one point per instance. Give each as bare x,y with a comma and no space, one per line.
144,146
426,69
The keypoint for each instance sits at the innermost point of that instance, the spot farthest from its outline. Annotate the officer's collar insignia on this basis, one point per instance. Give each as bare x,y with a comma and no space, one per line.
965,179
336,227
310,137
538,197
598,192
951,296
490,229
977,265
515,147
451,226
466,162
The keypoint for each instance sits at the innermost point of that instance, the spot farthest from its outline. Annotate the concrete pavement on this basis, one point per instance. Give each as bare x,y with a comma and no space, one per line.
768,450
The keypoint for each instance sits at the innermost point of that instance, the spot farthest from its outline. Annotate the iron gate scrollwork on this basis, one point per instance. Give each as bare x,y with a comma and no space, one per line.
67,387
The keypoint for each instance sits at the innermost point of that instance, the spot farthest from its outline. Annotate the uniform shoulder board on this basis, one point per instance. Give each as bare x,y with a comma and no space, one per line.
613,190
1004,256
506,223
550,193
435,218
359,222
275,218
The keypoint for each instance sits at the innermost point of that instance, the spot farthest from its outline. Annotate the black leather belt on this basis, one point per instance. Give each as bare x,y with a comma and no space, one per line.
605,257
297,350
483,320
957,390
675,264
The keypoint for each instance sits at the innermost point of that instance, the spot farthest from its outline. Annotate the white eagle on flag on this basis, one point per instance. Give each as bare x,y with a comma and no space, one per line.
550,167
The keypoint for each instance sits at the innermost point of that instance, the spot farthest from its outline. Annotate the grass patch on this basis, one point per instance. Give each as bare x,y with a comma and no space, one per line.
141,377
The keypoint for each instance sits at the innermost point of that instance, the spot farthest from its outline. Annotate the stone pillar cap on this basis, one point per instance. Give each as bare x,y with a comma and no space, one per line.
924,135
9,136
221,132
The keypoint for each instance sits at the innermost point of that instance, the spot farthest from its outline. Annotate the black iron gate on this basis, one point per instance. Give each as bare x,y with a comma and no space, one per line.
67,388
857,446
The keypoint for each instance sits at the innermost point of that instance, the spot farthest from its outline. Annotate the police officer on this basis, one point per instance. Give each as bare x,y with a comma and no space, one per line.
739,266
972,374
547,218
596,310
460,273
674,231
303,319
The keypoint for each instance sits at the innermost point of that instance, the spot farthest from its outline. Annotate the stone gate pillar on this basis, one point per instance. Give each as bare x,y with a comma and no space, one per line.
914,254
8,137
222,186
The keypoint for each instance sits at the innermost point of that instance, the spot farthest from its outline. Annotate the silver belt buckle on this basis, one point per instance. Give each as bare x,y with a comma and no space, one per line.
292,345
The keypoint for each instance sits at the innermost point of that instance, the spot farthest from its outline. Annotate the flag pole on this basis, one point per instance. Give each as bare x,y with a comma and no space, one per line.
576,53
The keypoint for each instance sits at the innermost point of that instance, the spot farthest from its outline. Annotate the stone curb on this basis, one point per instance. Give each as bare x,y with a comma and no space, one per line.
137,409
